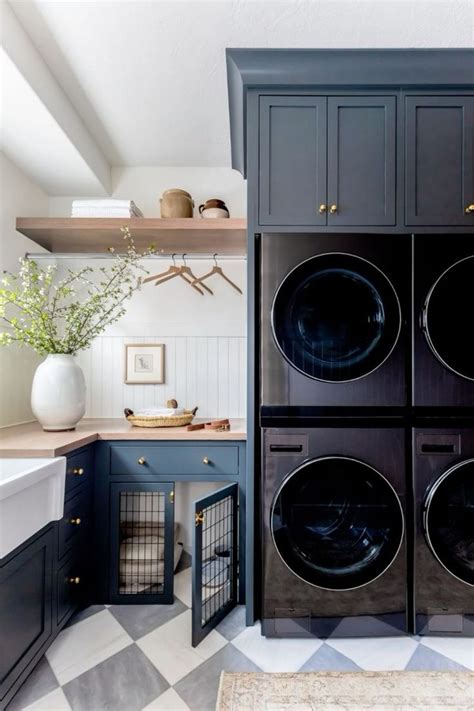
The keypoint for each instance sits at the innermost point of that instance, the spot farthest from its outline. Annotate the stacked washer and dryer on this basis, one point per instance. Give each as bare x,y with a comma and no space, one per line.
366,387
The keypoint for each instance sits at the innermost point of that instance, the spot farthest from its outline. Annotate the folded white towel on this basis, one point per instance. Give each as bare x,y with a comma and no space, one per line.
105,208
159,411
107,202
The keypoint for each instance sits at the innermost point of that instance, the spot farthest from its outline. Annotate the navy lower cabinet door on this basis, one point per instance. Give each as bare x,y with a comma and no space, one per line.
25,608
215,560
143,543
361,160
439,160
292,172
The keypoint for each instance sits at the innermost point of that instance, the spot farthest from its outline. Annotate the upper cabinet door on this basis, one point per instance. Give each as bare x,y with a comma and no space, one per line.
439,160
292,166
361,160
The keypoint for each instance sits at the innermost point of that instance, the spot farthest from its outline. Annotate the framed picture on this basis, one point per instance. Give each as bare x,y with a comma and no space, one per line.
144,363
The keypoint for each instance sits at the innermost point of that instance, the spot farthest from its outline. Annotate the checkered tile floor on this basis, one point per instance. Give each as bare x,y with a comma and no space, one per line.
134,657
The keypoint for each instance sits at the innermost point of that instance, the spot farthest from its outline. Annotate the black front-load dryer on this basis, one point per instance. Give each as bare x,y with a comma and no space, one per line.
444,560
334,559
444,321
333,320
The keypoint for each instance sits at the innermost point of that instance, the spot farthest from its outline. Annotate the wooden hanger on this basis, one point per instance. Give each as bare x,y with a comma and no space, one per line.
170,273
174,271
186,271
216,269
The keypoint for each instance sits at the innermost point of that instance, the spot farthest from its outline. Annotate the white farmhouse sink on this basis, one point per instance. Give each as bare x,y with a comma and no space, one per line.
31,495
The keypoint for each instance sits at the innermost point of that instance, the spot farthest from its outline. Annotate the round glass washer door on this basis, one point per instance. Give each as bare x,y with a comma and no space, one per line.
336,317
448,521
337,523
447,318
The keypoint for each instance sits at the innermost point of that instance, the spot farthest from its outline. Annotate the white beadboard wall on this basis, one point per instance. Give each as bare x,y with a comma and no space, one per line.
207,371
204,338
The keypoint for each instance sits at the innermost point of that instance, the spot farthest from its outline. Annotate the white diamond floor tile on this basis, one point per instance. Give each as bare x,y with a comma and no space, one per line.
182,586
169,648
54,701
378,654
460,649
84,645
169,701
275,655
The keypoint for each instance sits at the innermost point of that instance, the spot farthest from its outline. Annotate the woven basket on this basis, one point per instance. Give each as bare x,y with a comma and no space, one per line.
164,421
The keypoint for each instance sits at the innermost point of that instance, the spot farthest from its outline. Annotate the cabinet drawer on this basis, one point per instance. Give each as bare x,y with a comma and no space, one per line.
78,470
70,585
75,525
200,459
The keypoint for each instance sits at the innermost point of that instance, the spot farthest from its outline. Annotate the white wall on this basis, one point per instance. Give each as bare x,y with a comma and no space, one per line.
19,197
204,336
145,185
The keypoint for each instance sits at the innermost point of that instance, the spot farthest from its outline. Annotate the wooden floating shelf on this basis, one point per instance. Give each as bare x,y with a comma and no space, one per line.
98,234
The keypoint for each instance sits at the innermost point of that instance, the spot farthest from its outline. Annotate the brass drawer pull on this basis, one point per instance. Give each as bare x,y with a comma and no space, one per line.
205,460
333,209
322,209
469,209
75,581
75,521
78,471
142,460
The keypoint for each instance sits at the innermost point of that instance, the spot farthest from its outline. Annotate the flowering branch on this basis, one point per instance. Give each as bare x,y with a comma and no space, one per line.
64,316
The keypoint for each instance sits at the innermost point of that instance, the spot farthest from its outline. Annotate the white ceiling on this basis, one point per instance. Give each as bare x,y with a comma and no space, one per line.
148,77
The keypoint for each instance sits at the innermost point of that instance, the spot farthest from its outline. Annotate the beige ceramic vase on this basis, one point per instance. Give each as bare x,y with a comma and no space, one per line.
176,203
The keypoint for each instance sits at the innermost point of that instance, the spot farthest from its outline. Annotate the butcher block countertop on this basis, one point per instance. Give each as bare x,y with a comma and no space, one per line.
29,440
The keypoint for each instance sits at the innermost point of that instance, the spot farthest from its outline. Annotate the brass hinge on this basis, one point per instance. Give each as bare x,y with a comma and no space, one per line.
199,518
172,497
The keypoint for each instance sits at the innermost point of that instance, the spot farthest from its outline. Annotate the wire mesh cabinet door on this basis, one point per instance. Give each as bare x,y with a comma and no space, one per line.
142,543
214,559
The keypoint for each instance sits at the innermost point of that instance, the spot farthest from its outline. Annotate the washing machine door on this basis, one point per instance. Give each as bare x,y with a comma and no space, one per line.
447,318
336,317
337,523
448,520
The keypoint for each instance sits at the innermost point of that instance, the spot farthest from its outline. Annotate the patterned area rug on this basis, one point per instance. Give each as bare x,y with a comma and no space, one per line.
346,691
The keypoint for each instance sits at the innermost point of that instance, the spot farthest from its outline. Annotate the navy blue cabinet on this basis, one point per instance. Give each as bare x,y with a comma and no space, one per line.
26,623
292,166
134,544
46,579
439,181
327,161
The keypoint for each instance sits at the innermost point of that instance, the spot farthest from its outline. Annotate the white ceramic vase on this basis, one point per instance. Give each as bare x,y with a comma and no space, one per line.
58,395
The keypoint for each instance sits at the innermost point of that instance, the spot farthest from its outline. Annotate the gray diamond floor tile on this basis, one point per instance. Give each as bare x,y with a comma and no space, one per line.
138,620
329,659
233,623
85,613
426,659
40,682
199,688
128,681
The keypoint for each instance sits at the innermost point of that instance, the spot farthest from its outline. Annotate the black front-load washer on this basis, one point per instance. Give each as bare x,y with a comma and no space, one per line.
444,560
333,320
443,319
334,559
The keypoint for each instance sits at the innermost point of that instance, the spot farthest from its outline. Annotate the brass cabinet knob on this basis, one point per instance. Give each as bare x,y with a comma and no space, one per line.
75,581
142,460
78,471
333,209
469,209
322,208
76,521
205,460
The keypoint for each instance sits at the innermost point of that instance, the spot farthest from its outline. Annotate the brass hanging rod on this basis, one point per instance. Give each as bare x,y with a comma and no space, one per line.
108,255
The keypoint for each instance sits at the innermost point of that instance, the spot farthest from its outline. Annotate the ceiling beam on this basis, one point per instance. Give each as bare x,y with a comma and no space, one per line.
22,53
